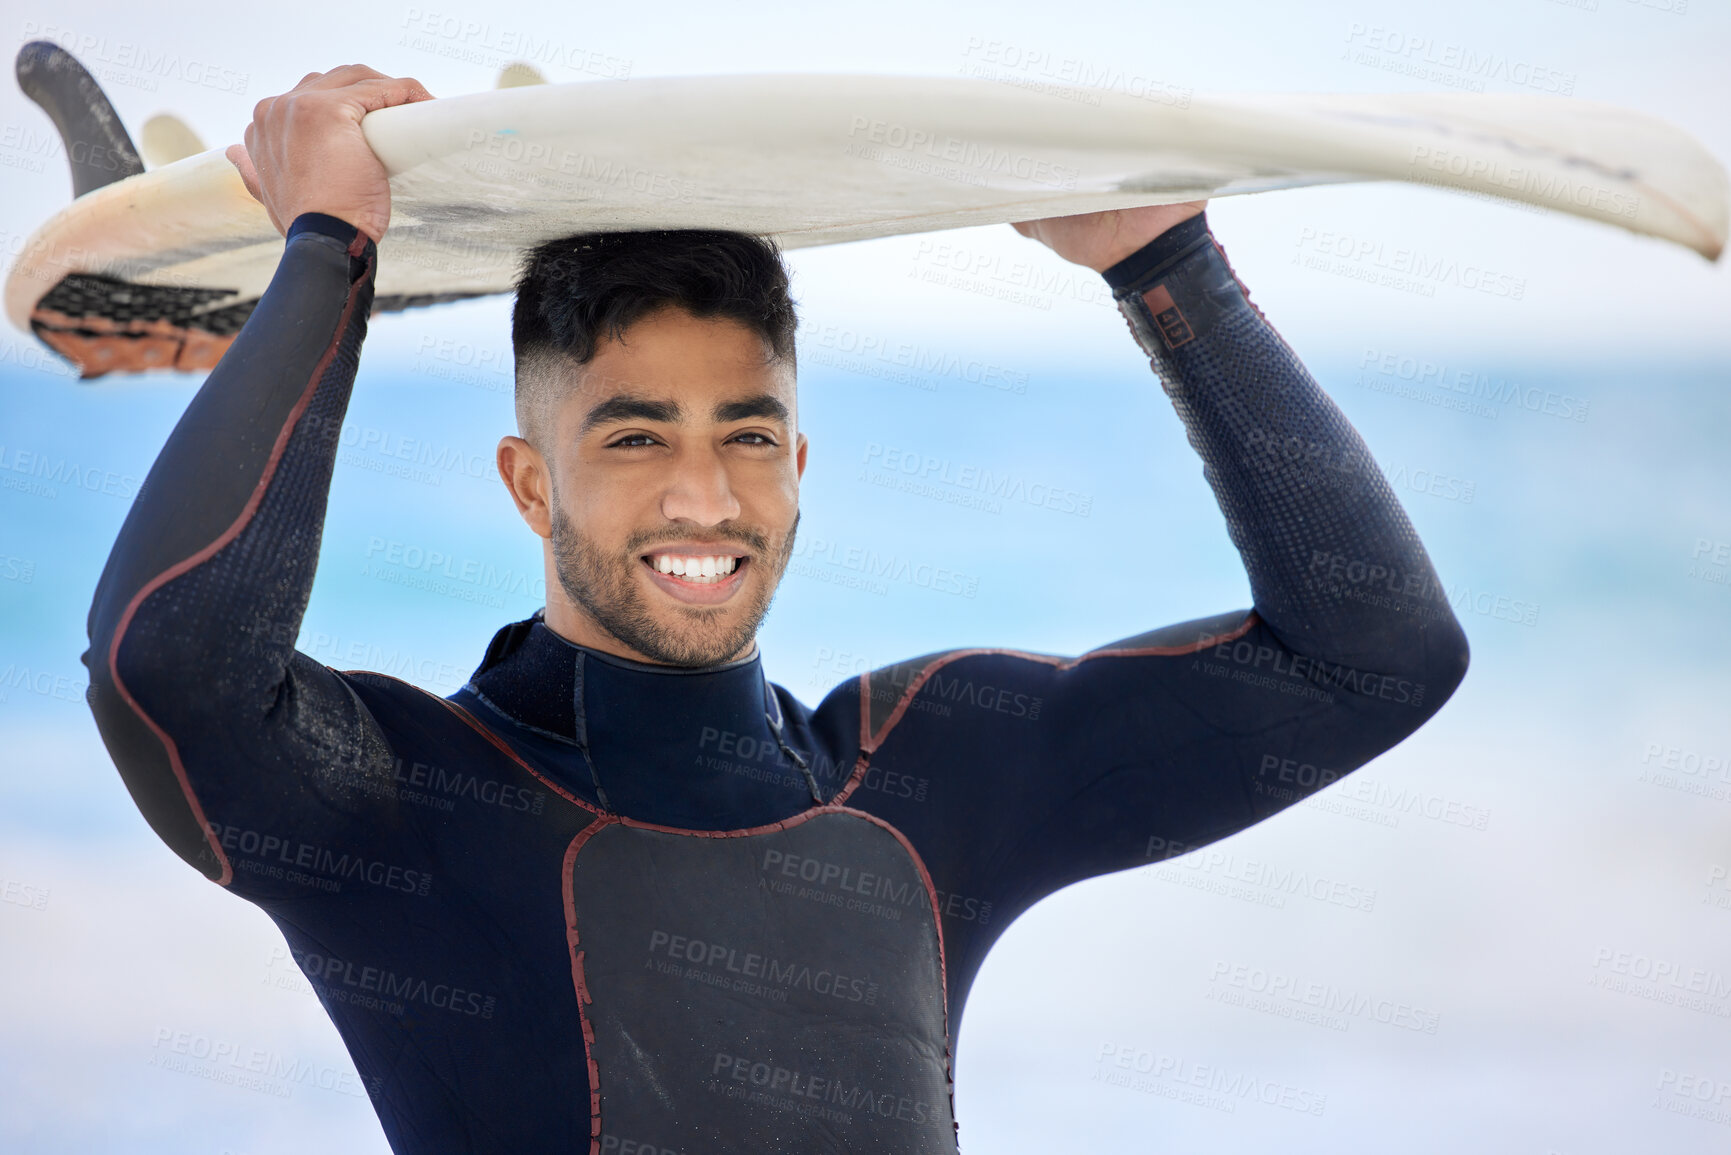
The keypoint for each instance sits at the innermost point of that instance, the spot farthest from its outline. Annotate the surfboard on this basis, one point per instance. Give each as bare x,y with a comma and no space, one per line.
159,269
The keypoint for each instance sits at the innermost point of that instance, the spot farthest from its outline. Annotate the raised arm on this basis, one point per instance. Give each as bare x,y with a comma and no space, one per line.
224,734
1335,567
1044,770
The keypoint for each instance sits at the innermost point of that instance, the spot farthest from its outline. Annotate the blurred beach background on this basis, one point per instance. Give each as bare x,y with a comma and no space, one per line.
1523,936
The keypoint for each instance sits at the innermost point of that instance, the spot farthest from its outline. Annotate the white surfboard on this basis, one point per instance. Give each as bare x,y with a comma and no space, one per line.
813,160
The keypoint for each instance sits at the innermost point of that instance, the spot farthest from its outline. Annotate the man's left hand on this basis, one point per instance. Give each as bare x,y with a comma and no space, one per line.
1101,240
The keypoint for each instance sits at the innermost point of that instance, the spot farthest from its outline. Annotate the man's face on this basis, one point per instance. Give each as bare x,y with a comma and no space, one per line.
676,462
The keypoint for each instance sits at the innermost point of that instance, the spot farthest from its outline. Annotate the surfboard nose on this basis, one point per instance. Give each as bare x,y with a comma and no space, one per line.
97,147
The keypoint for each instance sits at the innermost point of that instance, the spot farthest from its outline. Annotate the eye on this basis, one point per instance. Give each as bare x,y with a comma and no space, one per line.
750,438
632,441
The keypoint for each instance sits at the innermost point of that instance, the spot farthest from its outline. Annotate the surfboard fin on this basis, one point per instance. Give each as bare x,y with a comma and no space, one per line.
97,146
165,138
519,75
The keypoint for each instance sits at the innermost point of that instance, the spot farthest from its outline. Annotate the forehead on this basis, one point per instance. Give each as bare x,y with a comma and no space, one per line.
697,364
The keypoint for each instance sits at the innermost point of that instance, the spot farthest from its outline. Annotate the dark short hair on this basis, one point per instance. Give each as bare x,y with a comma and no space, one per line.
577,291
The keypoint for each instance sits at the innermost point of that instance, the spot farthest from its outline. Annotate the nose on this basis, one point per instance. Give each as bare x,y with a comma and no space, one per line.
699,490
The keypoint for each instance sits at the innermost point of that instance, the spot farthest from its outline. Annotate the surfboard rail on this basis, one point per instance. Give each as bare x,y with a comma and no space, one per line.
812,160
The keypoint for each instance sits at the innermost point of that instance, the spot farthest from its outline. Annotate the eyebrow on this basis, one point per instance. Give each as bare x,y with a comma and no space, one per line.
762,405
625,407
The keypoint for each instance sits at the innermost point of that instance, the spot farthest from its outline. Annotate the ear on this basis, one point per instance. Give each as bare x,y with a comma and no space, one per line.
799,457
529,482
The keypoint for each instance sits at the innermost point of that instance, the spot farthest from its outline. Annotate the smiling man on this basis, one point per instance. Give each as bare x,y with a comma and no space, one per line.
676,443
619,893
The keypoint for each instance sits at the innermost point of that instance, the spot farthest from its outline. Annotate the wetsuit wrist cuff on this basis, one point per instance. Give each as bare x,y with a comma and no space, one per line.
1147,263
323,223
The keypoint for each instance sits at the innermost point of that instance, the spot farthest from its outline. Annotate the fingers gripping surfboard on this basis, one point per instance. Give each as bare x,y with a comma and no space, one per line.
160,268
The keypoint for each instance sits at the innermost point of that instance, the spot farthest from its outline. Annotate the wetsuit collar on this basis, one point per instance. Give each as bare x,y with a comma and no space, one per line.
639,727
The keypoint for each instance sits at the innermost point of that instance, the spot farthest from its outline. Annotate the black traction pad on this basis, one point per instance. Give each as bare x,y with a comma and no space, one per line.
780,991
108,325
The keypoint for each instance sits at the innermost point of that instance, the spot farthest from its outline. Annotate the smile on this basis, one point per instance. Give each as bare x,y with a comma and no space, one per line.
698,579
700,570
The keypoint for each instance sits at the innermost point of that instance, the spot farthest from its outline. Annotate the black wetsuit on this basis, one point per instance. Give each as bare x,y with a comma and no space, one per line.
700,956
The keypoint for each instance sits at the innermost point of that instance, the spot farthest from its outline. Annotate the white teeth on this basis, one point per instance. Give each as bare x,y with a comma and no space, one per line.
697,569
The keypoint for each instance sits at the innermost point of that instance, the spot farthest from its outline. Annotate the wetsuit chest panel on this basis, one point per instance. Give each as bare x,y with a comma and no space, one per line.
750,994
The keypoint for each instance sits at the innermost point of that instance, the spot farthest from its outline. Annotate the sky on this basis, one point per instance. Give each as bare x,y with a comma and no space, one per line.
1540,946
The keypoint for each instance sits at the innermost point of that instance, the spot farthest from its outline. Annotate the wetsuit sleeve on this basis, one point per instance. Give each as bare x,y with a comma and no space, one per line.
1037,771
220,729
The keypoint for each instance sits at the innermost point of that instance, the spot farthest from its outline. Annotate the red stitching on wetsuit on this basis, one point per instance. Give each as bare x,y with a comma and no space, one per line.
581,983
860,766
943,964
501,744
578,978
490,736
240,522
869,743
1234,273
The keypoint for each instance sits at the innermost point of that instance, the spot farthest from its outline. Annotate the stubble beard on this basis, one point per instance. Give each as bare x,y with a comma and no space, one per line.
606,587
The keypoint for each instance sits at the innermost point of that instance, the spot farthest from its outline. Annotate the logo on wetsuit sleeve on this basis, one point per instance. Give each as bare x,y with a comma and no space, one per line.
1168,318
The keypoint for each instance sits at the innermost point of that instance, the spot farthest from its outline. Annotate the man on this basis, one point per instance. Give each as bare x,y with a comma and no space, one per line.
619,892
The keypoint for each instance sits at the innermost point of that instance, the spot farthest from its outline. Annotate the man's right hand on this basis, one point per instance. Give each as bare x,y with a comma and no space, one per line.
305,152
